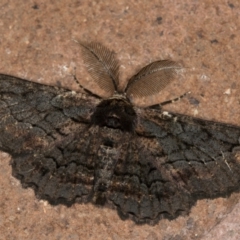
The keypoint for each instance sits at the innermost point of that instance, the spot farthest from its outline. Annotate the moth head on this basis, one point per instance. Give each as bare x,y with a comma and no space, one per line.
115,113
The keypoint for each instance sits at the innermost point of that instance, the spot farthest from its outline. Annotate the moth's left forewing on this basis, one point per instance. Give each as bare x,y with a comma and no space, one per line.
204,154
180,160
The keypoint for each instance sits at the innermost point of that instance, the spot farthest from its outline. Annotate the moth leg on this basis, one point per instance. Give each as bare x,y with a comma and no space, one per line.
175,99
225,160
81,87
159,106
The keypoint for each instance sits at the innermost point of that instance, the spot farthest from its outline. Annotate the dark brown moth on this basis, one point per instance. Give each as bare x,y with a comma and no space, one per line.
102,148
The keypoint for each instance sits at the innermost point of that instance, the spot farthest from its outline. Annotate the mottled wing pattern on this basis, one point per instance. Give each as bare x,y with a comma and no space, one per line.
46,131
174,161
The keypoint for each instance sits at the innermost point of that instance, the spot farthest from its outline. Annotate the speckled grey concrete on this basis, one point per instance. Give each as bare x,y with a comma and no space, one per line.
37,43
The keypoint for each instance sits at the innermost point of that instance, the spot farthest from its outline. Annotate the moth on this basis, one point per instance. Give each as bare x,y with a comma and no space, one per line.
98,146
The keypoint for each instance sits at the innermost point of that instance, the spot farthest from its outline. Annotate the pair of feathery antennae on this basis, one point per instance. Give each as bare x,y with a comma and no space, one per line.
103,67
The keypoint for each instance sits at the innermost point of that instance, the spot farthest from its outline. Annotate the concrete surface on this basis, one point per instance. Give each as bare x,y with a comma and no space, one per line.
36,43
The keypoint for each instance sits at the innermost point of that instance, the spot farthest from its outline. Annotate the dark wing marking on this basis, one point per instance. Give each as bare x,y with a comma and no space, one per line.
174,161
46,130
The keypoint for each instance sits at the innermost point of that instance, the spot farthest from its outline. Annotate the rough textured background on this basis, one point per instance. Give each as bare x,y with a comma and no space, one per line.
37,43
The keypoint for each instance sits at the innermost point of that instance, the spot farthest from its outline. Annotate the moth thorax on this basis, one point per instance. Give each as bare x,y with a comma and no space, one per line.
116,114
